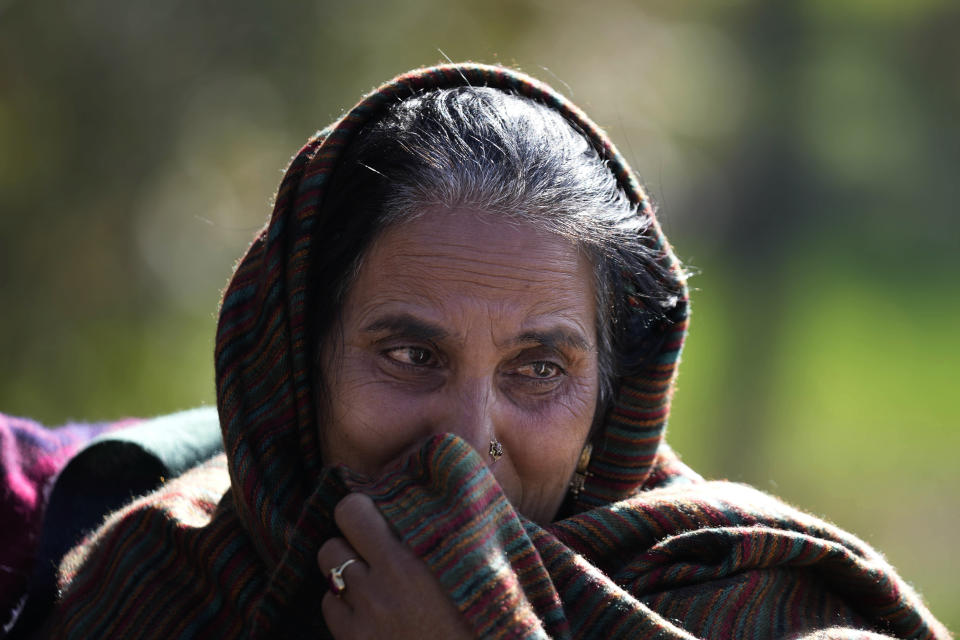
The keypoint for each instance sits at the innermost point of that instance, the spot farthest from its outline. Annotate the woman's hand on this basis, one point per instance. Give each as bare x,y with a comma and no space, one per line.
389,593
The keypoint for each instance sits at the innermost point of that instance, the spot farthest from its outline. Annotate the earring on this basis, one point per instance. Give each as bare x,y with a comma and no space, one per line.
495,450
580,476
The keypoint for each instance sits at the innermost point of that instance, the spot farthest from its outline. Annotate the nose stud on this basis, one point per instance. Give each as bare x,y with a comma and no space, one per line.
495,450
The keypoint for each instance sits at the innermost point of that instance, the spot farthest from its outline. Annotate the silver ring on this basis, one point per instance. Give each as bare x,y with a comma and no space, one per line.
335,577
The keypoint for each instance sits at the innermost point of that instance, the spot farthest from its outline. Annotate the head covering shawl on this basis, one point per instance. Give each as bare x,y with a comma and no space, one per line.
654,551
263,354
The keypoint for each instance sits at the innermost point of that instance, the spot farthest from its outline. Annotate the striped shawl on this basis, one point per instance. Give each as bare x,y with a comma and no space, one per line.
228,550
687,560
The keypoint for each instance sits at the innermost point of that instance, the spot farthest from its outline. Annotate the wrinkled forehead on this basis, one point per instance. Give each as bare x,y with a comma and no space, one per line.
461,261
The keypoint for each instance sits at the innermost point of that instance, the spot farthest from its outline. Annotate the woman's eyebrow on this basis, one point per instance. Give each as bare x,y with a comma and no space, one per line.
406,325
554,339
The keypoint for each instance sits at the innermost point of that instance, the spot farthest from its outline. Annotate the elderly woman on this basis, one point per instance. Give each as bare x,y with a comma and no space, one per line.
444,371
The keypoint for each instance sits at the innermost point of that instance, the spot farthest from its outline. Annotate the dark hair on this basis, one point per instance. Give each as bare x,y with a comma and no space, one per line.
505,154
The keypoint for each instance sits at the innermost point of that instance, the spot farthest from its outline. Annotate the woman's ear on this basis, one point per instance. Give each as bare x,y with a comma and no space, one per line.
580,475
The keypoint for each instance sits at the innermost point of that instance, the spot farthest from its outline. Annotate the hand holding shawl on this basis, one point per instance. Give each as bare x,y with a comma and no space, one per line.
378,587
706,560
711,560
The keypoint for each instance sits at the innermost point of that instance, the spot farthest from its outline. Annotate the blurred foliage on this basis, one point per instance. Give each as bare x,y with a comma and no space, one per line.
804,156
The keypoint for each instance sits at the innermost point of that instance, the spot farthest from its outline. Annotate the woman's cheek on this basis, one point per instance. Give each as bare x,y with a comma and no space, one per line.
373,422
550,447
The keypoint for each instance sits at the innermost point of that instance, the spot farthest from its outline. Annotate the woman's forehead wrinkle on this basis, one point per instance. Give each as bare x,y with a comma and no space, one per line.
478,261
484,269
504,295
452,275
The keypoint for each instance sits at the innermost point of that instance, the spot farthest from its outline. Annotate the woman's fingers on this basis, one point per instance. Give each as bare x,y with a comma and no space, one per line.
366,530
337,613
392,593
336,554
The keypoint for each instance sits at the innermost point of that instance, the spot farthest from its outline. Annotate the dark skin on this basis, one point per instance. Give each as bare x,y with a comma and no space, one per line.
458,322
389,590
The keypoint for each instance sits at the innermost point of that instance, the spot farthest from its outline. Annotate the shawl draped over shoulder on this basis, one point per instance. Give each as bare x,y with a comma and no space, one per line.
228,549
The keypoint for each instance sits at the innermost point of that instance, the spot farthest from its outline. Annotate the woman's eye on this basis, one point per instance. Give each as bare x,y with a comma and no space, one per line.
415,356
540,370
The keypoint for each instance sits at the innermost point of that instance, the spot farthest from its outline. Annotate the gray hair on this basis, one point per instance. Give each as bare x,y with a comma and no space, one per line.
493,151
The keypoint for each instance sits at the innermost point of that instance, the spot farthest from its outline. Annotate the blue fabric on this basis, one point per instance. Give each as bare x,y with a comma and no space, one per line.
112,469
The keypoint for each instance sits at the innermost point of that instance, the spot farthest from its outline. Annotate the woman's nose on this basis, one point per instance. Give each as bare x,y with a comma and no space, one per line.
472,409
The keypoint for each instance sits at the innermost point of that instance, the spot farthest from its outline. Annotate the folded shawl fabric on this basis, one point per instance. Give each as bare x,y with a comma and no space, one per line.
228,550
31,456
697,560
94,469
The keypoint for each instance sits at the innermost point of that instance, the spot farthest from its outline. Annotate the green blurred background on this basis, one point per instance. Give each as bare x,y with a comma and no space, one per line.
804,156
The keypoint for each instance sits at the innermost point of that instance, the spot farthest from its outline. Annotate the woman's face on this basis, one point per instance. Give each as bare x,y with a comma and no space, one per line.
465,323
